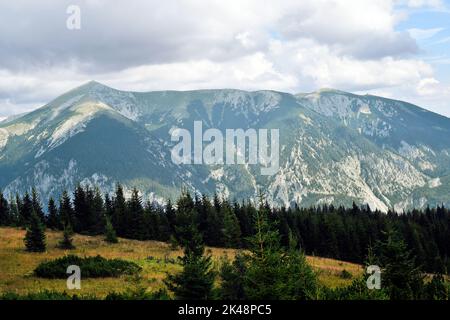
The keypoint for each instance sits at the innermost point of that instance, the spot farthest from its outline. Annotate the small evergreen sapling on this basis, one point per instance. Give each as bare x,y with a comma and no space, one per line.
110,233
67,240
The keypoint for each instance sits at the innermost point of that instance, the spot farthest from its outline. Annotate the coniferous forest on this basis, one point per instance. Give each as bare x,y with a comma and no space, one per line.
406,245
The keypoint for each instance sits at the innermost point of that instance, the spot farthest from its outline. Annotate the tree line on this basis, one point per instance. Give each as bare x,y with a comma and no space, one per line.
267,270
327,231
273,266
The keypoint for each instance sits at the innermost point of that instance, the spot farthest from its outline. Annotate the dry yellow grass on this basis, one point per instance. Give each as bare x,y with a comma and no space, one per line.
329,270
17,265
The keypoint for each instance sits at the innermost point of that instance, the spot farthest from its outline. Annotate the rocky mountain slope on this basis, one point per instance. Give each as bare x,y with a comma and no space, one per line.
335,147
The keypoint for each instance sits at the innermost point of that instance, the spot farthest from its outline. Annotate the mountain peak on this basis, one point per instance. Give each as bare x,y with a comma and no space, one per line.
331,90
92,85
323,91
89,87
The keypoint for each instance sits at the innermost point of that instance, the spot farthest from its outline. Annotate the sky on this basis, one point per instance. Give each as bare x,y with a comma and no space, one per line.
394,48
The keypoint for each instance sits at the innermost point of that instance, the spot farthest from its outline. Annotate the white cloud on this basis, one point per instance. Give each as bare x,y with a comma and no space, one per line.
428,86
286,45
320,66
443,40
422,34
364,29
425,3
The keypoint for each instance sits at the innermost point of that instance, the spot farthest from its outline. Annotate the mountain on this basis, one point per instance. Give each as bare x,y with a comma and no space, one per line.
335,147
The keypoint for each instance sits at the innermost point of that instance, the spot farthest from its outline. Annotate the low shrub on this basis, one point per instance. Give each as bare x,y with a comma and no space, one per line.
91,267
345,274
166,260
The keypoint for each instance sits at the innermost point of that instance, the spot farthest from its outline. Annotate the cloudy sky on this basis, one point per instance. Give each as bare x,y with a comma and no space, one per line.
393,48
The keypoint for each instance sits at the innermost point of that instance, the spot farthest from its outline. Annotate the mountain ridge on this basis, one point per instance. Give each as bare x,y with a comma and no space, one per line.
335,147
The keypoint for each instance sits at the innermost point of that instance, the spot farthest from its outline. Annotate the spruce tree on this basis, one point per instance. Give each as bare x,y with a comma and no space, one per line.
185,219
202,214
37,204
5,215
67,240
261,279
97,221
118,218
35,239
231,230
134,216
53,217
26,209
110,233
66,212
109,207
283,227
173,243
81,209
246,215
217,221
401,276
195,281
164,226
151,221
232,278
297,280
212,225
14,212
270,272
171,216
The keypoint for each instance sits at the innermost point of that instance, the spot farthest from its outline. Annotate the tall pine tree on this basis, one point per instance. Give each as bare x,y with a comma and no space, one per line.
37,204
268,271
66,212
195,281
401,276
25,209
231,229
5,215
134,218
119,212
53,221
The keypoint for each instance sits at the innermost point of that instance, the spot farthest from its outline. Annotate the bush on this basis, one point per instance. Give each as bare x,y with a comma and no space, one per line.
166,260
345,274
91,267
